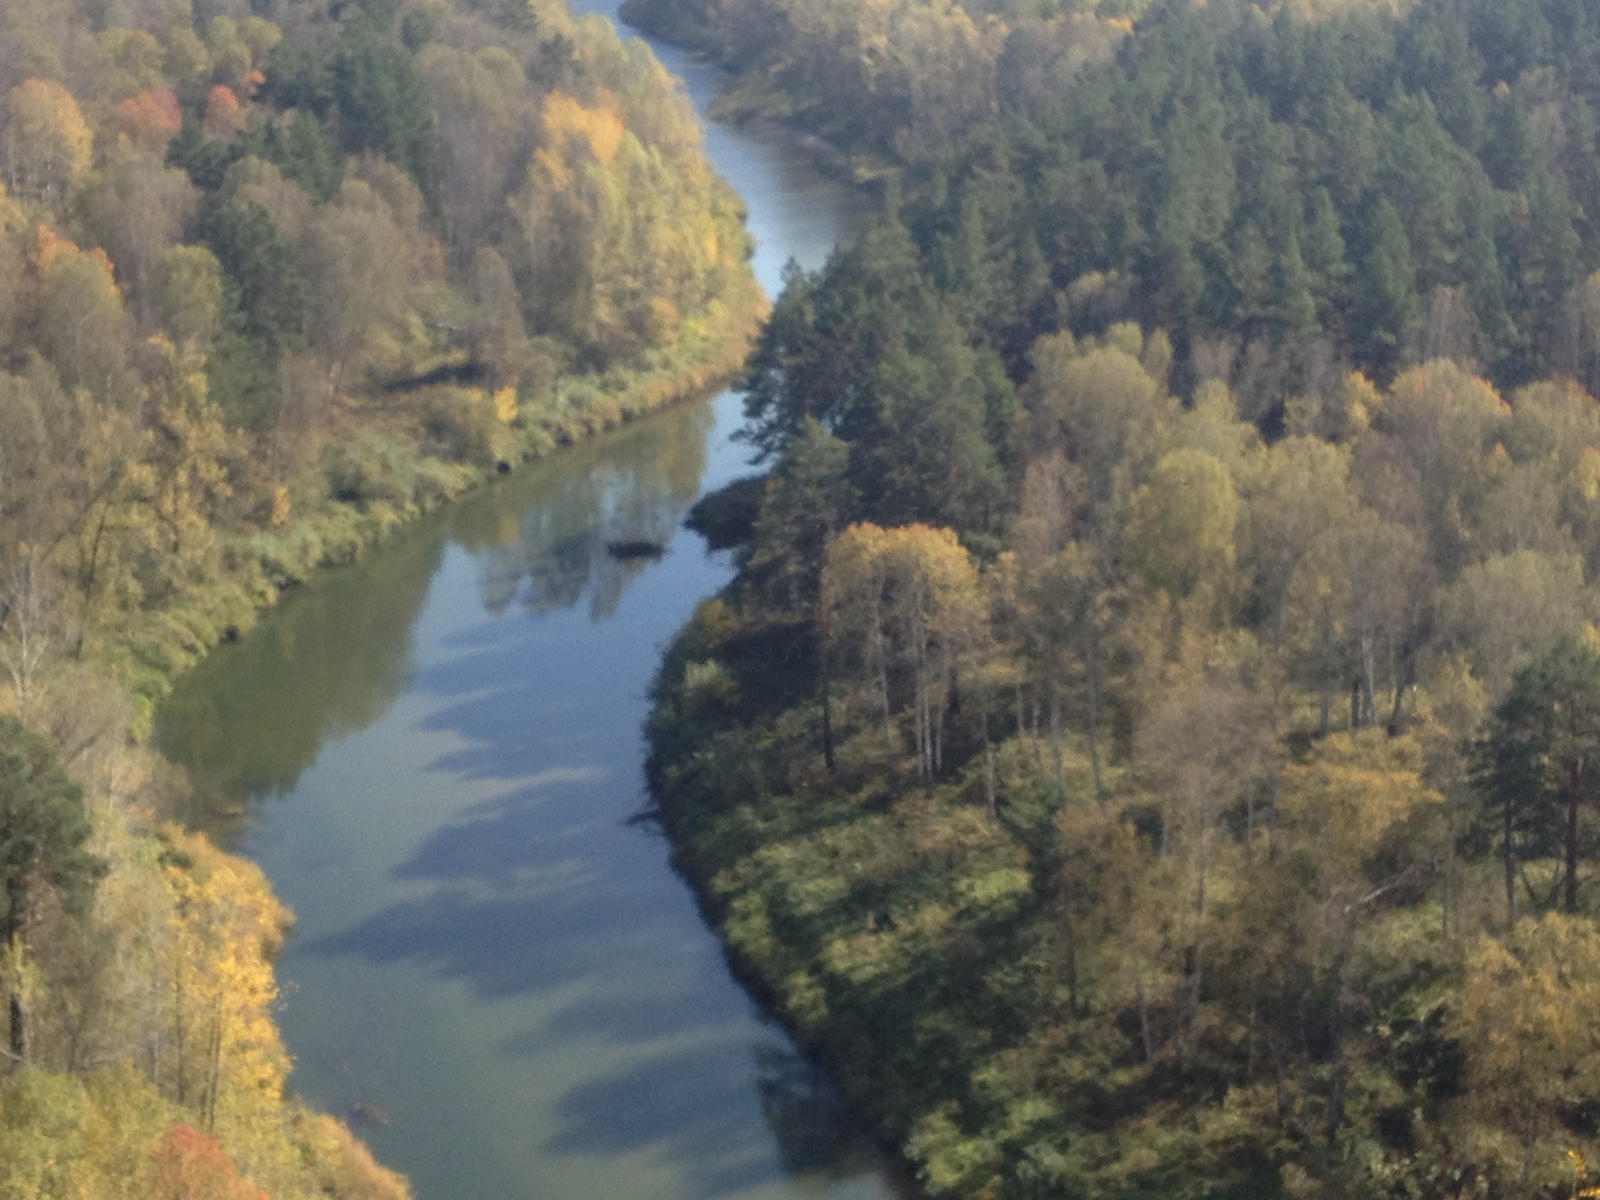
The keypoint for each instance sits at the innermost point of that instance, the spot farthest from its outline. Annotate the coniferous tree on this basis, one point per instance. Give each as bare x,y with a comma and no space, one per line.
43,828
1540,773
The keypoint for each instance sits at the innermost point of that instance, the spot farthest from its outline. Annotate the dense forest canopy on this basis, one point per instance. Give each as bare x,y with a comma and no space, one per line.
1287,197
1149,747
1199,815
274,278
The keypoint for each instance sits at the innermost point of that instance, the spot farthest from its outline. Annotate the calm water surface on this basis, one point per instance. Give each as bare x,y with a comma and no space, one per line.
433,754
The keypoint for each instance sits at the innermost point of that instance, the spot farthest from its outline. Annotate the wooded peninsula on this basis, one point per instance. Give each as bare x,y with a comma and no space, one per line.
1150,747
275,278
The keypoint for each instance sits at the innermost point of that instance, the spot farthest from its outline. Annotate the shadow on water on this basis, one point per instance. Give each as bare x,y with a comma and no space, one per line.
543,893
815,1132
252,717
586,1032
519,910
812,1132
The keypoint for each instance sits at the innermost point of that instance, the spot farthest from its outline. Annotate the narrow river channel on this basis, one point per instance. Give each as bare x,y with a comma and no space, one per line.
434,754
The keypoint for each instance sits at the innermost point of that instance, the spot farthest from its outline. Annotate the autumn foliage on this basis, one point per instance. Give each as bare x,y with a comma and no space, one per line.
241,263
1215,813
223,118
189,1165
151,119
49,146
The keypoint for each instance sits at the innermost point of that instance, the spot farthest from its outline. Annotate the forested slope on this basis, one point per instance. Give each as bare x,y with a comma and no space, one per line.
1283,196
274,279
270,282
1155,756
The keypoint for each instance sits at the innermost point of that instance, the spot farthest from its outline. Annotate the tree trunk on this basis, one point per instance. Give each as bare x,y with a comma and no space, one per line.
1197,978
1055,737
1571,881
1144,1025
988,763
180,1031
1508,854
1369,680
1072,967
1094,725
1337,1032
883,695
827,722
1401,681
1326,699
88,574
19,1030
925,708
213,1071
825,680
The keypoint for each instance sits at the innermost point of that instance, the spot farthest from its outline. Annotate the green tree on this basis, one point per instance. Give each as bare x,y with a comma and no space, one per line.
1292,301
1386,312
1181,526
184,296
43,828
1324,251
808,499
270,286
383,106
789,378
1539,770
919,440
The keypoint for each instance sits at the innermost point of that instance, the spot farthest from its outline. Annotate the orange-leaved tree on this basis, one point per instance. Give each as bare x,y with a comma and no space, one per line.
186,1164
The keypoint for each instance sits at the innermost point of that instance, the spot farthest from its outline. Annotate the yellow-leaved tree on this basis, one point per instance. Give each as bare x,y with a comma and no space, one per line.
182,474
1180,532
47,148
623,236
904,605
226,1061
1525,1018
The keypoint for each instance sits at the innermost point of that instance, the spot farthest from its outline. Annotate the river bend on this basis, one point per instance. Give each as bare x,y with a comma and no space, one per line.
434,753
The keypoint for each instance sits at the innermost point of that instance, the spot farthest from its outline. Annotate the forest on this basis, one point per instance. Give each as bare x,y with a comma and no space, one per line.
1149,746
275,279
270,291
1284,196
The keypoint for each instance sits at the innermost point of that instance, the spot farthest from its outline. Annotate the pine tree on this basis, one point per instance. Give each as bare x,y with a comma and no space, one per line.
43,828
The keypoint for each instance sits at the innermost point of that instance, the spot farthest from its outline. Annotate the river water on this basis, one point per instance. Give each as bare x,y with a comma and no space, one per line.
434,754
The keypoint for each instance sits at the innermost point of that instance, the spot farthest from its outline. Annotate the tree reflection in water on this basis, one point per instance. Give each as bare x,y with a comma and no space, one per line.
251,718
808,1119
633,486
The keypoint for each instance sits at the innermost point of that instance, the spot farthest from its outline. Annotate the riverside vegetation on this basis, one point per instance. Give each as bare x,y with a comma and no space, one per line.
274,279
1149,746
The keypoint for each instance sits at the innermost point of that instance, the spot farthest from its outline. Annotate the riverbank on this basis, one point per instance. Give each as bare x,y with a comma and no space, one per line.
181,941
700,727
720,681
437,750
390,481
744,99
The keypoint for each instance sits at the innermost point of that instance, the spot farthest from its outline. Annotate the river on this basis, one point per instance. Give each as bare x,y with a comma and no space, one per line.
434,755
